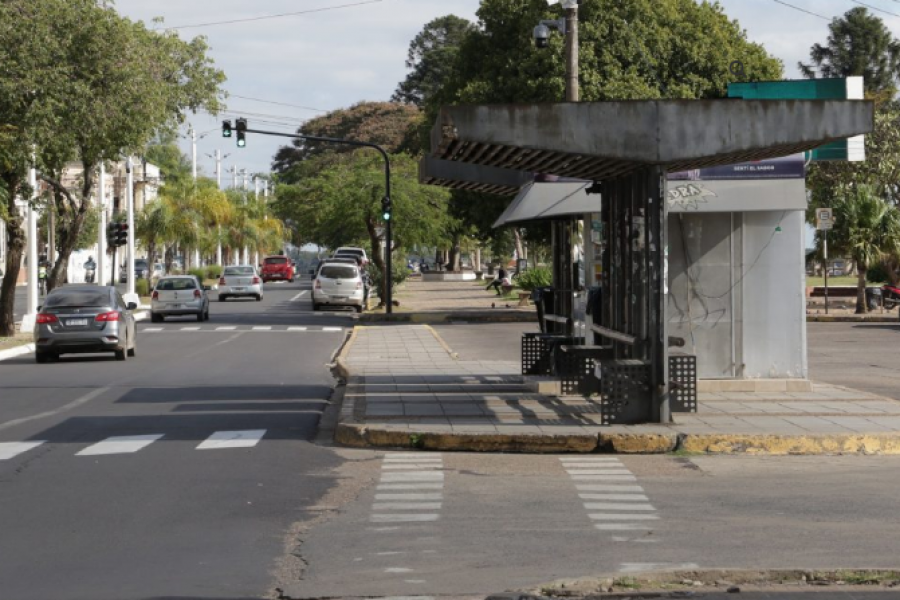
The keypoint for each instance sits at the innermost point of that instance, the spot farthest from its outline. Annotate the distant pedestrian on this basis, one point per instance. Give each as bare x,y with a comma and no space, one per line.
501,280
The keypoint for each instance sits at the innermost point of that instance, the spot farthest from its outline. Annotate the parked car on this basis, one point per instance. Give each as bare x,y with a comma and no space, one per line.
141,270
84,319
338,284
347,251
240,281
179,295
277,268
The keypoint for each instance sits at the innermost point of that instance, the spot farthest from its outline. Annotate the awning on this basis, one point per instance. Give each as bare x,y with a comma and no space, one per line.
540,201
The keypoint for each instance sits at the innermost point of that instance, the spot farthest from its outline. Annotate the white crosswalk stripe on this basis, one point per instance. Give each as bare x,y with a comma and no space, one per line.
226,328
606,486
12,449
122,444
151,329
232,439
262,328
410,483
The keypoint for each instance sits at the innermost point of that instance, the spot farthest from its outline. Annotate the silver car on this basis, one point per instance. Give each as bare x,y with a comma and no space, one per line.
179,295
339,284
240,281
84,319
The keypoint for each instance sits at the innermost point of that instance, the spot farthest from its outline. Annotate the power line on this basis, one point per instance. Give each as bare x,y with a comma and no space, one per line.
887,12
278,16
289,105
782,2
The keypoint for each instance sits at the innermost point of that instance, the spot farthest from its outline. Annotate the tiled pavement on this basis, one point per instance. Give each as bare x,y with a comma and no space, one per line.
404,377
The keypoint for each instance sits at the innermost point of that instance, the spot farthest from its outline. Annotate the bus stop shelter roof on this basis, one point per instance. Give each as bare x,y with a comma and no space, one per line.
538,201
601,140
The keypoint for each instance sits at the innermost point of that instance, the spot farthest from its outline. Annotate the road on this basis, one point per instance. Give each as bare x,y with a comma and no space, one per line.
197,470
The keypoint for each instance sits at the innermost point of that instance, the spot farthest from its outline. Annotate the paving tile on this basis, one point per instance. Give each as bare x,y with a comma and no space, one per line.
423,410
383,410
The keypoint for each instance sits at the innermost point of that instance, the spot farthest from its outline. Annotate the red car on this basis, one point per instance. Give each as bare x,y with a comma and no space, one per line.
277,268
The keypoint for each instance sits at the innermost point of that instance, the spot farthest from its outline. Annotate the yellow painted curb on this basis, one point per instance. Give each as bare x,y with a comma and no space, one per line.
638,443
443,344
875,443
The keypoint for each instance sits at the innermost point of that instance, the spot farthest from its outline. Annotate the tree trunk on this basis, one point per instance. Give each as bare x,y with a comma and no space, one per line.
15,247
890,265
453,259
377,258
67,241
861,306
520,251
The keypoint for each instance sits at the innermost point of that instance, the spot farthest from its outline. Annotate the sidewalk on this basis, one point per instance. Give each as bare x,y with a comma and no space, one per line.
443,301
407,388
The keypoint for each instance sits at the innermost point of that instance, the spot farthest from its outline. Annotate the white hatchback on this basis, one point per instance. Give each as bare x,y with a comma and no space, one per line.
338,284
240,281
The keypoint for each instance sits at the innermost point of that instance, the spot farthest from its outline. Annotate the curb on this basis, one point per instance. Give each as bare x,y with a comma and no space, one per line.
387,436
440,340
504,316
16,352
850,319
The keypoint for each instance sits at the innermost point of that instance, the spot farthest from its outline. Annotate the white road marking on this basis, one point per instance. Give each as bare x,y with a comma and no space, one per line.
622,517
582,459
599,472
388,553
592,487
410,486
604,477
622,497
383,528
149,329
403,518
415,476
297,328
262,328
406,506
412,466
73,404
10,449
300,295
332,329
617,506
413,455
398,570
622,527
190,329
122,444
232,439
437,496
405,459
408,597
226,328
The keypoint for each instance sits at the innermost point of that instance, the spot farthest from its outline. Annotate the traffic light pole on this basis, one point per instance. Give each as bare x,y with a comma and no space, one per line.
388,263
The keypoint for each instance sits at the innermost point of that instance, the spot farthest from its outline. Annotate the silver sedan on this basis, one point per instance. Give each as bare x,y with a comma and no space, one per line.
240,281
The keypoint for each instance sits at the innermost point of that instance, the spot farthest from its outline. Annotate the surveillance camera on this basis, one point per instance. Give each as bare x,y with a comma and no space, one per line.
541,36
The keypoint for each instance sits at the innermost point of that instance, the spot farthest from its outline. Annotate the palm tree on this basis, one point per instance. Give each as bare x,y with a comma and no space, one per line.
866,229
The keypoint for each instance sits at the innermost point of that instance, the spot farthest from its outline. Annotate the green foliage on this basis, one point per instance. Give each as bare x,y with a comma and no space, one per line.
859,43
430,59
174,166
534,278
399,274
390,125
213,271
198,272
142,287
877,273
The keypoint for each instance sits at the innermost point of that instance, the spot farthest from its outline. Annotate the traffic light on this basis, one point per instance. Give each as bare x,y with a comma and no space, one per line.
226,128
241,126
111,235
386,208
120,234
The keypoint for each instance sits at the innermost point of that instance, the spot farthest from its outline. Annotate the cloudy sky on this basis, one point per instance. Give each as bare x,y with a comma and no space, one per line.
327,59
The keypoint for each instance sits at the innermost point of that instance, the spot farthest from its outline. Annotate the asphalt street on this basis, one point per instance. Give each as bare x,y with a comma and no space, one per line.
176,473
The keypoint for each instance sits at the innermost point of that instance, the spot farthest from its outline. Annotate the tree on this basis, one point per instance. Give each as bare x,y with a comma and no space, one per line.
859,43
388,124
164,152
341,205
866,228
430,59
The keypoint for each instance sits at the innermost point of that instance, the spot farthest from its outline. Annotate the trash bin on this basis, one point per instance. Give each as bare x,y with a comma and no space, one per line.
873,297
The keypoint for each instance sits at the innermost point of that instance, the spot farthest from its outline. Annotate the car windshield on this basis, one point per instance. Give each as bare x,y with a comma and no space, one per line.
141,263
238,271
182,283
278,260
77,298
358,253
338,272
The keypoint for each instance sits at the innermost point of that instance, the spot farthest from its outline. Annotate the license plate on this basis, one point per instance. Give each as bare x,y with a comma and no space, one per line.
238,289
77,322
176,306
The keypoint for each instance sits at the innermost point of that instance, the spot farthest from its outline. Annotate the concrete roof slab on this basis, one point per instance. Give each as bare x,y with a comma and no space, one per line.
598,140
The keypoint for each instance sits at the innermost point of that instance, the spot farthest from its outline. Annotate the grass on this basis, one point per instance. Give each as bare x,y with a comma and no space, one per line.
837,281
628,583
20,339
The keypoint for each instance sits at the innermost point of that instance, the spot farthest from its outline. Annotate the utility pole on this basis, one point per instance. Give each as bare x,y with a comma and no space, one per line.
32,249
219,187
256,198
101,245
564,276
572,70
129,255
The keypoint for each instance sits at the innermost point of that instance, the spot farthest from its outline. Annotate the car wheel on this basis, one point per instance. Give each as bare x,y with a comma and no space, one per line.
259,297
155,318
315,307
358,309
206,314
41,357
200,317
120,354
222,297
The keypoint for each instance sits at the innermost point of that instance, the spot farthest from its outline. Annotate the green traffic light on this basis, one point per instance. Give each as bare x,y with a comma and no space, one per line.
241,142
386,216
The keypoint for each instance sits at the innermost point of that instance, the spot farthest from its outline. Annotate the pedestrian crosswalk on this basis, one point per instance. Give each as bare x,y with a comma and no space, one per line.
130,444
611,495
246,328
410,489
